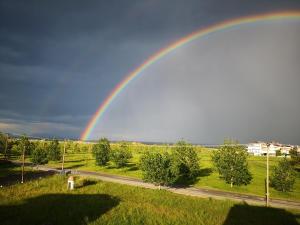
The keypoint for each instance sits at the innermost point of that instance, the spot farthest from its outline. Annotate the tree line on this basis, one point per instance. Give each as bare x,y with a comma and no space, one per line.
179,165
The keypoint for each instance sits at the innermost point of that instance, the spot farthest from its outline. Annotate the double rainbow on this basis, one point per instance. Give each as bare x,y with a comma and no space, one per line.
152,59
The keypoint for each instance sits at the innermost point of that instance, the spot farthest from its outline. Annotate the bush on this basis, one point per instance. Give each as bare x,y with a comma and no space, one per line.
101,151
23,144
39,155
231,163
295,156
185,162
278,153
121,155
53,151
283,177
156,168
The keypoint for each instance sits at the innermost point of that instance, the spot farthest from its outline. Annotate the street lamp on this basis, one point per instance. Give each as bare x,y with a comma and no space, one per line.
267,180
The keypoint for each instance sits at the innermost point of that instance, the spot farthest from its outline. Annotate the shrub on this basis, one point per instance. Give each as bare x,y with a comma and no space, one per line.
278,153
283,176
295,156
39,155
121,155
156,168
231,163
53,151
185,162
101,151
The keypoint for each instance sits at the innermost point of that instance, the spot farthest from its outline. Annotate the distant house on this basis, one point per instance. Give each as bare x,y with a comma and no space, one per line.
257,148
285,149
273,148
261,148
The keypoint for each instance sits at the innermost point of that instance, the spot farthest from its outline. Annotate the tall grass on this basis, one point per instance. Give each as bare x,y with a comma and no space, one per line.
47,201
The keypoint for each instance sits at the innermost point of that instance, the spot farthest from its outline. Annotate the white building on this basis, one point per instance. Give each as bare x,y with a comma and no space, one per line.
261,148
257,148
285,149
273,147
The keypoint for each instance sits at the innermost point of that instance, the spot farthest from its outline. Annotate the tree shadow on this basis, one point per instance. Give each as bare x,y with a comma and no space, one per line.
85,182
74,166
183,182
127,167
131,167
10,176
205,172
57,209
258,215
75,160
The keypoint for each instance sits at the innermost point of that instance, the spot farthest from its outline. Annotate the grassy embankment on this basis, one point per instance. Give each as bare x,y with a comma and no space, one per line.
47,201
209,178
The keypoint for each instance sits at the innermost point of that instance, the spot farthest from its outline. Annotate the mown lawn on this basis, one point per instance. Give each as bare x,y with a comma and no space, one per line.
47,201
209,178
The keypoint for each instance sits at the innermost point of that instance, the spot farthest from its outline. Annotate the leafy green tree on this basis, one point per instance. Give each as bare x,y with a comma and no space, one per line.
23,144
283,176
101,151
231,163
156,168
53,150
4,145
295,156
278,153
39,155
185,162
121,155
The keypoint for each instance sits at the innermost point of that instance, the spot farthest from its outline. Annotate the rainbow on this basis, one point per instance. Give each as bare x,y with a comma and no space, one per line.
164,51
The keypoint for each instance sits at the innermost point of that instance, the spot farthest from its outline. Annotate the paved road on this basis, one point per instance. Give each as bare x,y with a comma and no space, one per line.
191,191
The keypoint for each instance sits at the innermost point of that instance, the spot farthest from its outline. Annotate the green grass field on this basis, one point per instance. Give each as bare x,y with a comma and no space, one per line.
209,178
47,201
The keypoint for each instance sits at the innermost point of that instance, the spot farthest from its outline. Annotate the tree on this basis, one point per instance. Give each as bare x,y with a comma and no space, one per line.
4,144
39,155
295,156
121,155
101,151
283,176
23,144
278,153
53,151
185,162
156,168
231,163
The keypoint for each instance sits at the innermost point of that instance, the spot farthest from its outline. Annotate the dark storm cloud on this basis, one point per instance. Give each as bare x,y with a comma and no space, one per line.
60,59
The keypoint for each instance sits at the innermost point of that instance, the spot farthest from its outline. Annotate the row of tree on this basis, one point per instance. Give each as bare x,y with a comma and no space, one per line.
179,165
103,153
40,152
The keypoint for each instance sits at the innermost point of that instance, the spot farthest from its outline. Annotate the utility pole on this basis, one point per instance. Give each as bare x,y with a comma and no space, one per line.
5,150
63,159
267,182
23,161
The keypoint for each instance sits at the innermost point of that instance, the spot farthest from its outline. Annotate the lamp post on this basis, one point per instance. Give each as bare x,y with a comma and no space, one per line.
267,180
23,161
63,159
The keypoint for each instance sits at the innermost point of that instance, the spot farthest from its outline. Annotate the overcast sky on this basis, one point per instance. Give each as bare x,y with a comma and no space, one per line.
60,59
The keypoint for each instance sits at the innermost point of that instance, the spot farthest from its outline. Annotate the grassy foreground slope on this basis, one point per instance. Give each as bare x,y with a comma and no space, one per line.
46,201
209,178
